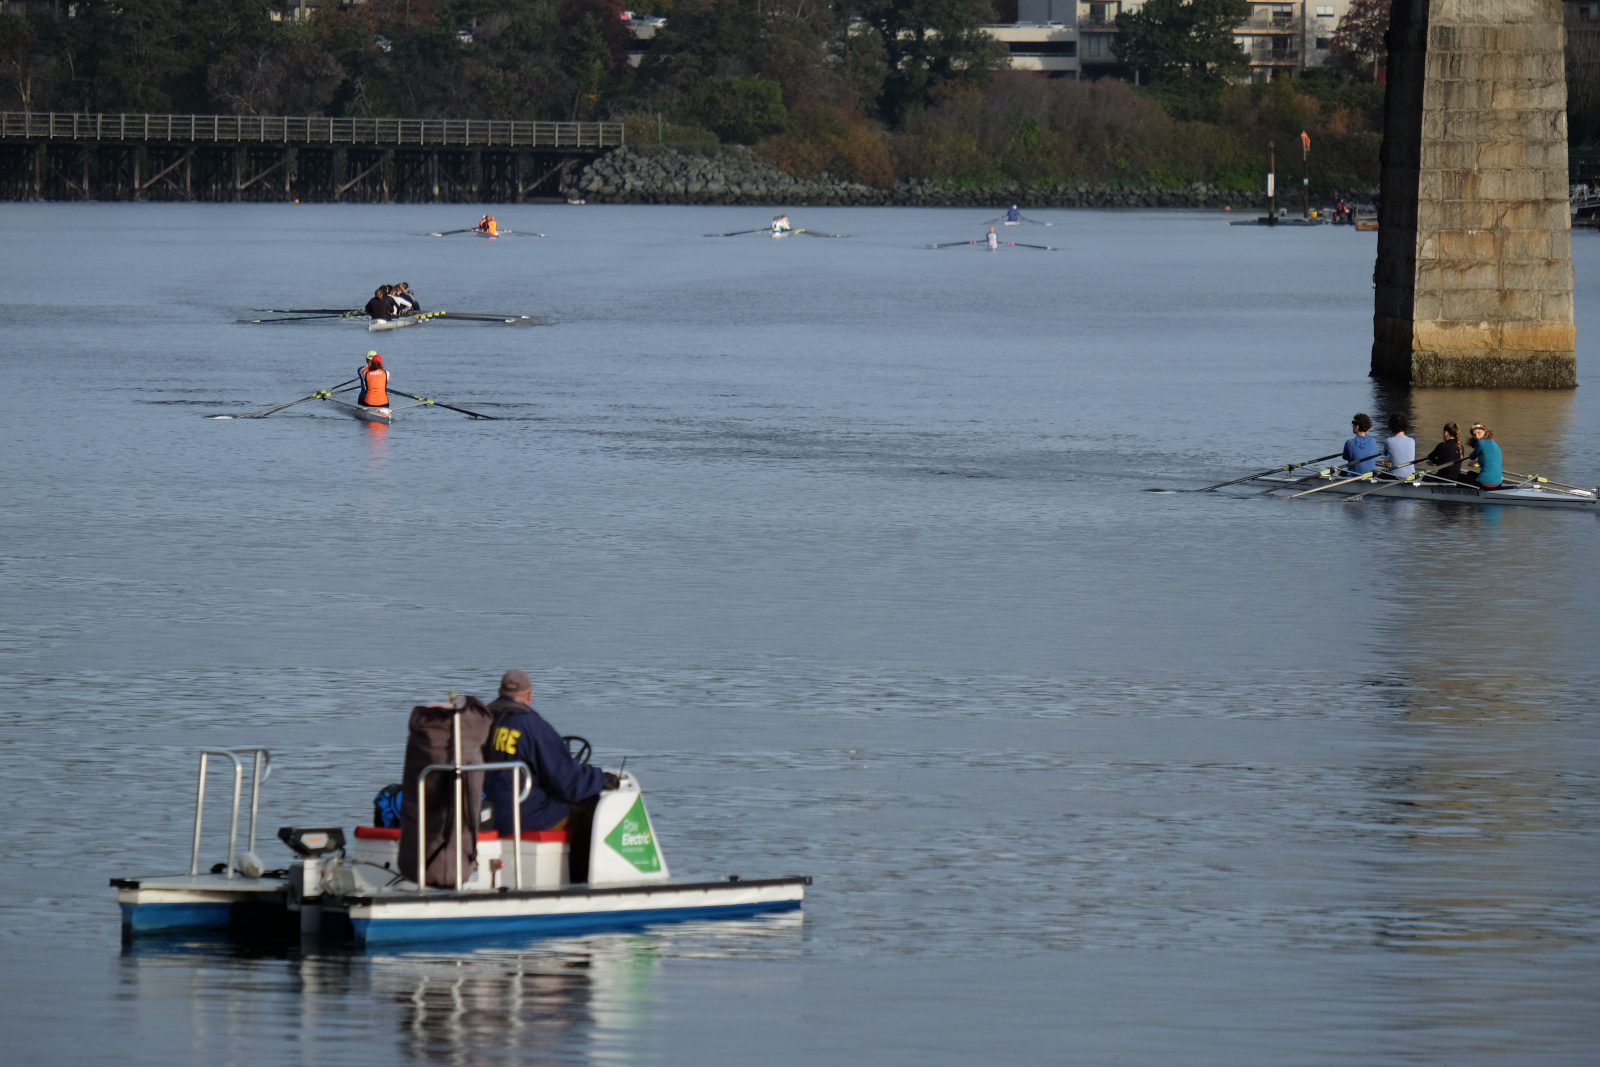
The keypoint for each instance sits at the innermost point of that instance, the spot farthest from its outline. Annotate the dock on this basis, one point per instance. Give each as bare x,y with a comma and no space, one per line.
89,156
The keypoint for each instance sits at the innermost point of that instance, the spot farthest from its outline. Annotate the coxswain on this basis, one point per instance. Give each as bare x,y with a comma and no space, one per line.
374,383
380,306
1447,453
780,224
1361,451
1486,453
994,241
1013,215
1402,449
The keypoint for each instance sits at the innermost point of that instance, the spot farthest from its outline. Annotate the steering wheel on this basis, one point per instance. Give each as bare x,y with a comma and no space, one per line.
583,751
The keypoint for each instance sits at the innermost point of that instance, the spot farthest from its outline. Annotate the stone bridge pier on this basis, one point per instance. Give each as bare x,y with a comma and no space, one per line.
1474,272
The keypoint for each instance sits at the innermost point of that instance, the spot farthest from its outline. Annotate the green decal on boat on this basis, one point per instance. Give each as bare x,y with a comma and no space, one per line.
633,840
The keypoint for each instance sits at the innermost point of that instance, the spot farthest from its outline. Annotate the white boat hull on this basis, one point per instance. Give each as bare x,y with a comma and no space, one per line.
381,416
1453,493
174,903
394,323
438,915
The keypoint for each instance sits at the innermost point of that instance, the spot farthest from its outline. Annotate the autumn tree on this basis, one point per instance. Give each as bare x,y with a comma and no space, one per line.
1359,39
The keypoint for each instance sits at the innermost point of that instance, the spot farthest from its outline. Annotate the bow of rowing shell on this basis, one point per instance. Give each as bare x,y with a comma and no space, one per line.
86,156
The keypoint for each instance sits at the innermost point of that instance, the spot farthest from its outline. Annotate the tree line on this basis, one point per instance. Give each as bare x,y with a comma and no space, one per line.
872,90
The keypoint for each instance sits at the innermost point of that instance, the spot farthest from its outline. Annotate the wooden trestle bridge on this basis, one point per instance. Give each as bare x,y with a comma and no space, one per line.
75,156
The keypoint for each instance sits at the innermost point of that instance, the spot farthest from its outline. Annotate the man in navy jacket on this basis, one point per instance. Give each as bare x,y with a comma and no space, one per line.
564,790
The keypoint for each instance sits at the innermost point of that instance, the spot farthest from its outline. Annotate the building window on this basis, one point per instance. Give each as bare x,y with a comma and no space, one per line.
1097,46
1323,44
1325,11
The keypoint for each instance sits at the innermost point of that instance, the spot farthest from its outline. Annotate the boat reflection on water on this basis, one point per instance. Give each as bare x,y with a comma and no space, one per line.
535,1001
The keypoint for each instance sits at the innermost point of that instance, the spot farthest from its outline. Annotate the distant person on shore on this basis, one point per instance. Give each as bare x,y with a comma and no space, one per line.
994,240
1402,449
1486,453
1361,451
1447,453
374,383
380,306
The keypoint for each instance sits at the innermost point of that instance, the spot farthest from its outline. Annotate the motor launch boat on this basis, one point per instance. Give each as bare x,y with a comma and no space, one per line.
351,890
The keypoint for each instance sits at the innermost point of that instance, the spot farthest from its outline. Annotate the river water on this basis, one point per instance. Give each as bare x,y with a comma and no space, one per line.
846,546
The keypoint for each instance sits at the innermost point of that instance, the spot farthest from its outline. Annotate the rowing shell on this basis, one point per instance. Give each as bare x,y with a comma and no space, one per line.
1530,495
381,416
397,322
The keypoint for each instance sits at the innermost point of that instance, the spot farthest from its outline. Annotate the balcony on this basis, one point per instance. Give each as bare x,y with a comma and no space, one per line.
1274,25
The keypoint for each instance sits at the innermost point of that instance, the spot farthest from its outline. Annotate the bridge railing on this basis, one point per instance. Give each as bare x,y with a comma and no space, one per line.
309,130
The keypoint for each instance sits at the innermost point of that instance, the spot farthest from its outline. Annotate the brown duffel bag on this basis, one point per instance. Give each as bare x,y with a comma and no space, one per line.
430,742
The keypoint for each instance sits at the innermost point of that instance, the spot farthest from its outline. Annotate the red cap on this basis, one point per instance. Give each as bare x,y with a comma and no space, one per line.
375,358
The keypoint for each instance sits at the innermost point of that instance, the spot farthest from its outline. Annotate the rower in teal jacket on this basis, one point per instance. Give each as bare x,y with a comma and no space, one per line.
1487,454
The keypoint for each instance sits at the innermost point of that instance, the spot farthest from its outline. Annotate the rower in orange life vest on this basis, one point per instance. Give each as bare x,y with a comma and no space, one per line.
374,383
488,225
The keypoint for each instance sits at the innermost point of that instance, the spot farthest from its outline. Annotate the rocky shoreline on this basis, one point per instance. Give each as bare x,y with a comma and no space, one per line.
730,174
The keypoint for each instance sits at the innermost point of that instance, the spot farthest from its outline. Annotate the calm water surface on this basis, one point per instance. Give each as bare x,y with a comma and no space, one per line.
845,545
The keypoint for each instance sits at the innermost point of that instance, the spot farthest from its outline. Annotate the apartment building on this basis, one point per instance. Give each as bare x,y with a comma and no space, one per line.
1079,36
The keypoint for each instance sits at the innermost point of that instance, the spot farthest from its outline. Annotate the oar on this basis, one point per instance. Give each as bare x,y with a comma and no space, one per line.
736,233
819,233
1296,481
523,233
307,311
1020,218
1046,248
1263,474
476,317
464,229
1334,485
1547,481
1411,479
300,318
953,244
442,404
321,394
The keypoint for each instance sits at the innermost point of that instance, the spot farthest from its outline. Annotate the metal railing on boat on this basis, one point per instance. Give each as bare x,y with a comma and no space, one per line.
260,769
517,768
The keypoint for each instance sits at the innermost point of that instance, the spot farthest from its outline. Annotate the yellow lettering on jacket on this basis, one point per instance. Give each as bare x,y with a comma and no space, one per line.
505,740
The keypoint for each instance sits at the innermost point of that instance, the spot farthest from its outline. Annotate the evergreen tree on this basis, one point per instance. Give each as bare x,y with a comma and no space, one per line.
1184,40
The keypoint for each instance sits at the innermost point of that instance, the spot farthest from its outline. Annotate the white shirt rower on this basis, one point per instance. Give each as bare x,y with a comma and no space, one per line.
994,242
780,224
1401,447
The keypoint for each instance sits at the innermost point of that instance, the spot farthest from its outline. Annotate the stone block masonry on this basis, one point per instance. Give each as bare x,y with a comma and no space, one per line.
1474,273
